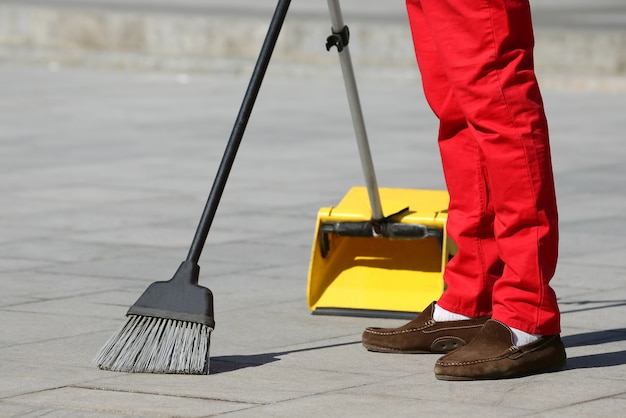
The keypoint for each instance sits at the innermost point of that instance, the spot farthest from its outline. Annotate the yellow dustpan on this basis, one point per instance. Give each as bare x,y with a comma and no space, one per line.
379,252
353,273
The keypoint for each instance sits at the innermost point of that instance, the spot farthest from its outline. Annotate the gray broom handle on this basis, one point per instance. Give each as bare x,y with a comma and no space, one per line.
357,114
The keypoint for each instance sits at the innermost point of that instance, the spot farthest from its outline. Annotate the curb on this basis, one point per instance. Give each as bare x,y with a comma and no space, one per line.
203,43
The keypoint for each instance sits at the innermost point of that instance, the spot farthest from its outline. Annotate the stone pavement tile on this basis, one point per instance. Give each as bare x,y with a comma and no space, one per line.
288,226
35,374
151,266
575,291
262,327
583,241
526,396
343,353
250,289
533,394
234,259
337,404
230,228
613,406
142,265
155,235
512,397
8,264
580,137
596,276
18,410
28,207
98,305
598,181
609,226
61,249
19,230
598,363
596,310
51,286
12,300
578,207
119,402
602,256
47,362
91,218
590,303
27,328
257,252
588,308
253,385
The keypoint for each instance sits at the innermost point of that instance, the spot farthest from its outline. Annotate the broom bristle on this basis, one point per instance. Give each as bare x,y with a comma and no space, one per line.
147,344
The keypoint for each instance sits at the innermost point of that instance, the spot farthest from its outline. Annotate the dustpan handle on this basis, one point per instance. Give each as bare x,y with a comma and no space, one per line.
208,214
338,27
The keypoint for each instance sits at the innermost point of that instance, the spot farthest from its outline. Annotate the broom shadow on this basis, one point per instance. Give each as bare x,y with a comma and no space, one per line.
224,364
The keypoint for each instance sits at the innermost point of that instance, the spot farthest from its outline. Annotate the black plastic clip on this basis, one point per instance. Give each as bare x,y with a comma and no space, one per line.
339,39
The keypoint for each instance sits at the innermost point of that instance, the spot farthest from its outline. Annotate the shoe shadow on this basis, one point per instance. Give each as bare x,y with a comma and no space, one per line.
224,364
595,338
592,361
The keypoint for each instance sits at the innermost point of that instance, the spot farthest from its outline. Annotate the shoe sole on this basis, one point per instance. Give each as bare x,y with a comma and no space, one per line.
550,369
377,349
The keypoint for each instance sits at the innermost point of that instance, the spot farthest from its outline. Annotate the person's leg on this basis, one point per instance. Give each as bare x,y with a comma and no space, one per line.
471,273
485,47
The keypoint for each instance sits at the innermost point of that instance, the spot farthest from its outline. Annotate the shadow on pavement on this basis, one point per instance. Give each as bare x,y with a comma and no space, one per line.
590,361
224,364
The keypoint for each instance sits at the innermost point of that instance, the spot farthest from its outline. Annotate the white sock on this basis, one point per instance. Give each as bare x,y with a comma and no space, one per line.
521,338
441,315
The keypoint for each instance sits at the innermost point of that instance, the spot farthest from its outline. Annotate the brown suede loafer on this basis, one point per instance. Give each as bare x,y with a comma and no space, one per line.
492,355
423,335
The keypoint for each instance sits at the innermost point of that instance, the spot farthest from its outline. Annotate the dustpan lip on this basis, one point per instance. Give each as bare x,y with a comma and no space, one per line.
364,313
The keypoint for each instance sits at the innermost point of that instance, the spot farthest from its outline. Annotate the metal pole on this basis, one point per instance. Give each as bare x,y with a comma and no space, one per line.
357,114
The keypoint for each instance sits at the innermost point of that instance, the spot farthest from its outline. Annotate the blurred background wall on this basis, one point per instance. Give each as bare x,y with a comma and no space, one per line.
575,38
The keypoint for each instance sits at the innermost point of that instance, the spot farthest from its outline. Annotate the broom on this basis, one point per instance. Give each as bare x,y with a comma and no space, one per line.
168,329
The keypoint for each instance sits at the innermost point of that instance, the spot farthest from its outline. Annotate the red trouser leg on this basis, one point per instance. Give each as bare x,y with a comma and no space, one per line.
475,57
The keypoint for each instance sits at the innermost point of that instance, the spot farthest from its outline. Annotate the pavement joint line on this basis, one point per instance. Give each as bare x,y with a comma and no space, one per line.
83,386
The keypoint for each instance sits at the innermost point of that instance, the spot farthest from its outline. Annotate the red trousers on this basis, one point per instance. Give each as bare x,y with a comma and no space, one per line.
476,62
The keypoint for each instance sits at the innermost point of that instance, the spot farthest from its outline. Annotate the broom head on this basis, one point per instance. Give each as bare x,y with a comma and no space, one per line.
168,329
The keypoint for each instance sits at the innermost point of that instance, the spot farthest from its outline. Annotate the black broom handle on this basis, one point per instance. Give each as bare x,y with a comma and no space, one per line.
208,214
